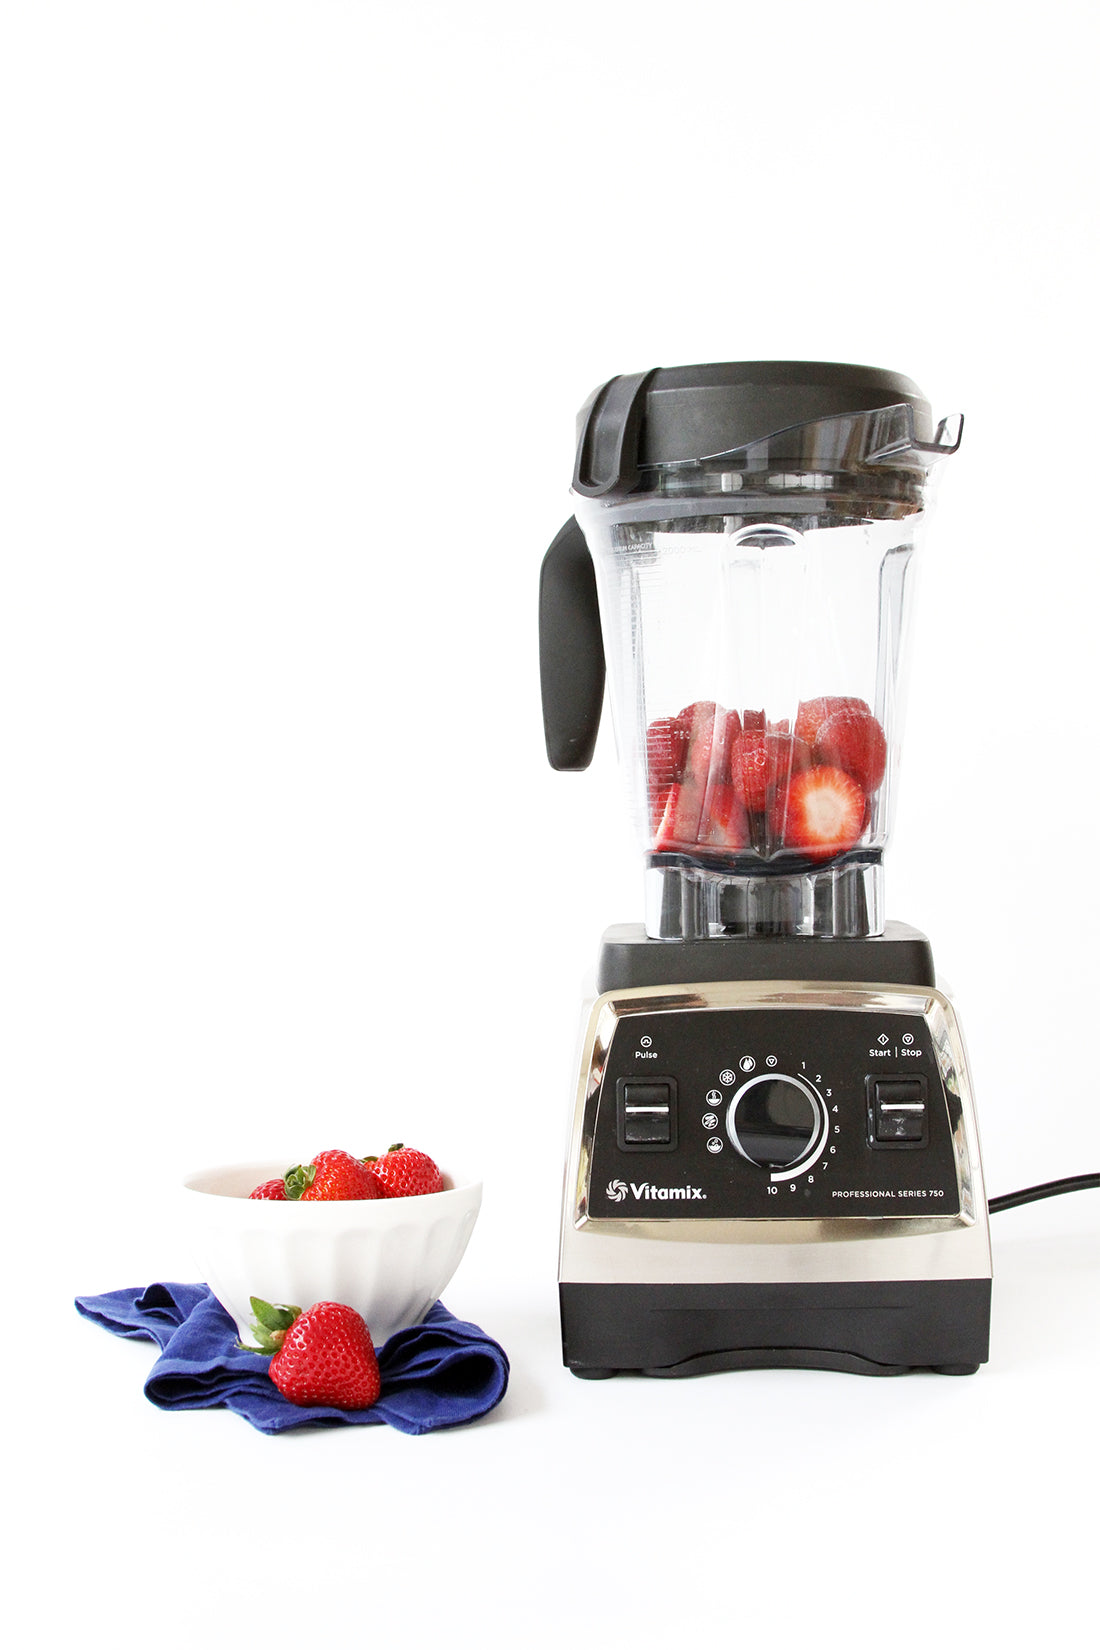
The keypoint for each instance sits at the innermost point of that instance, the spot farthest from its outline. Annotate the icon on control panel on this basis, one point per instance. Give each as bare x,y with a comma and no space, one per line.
884,1038
714,1096
747,1063
647,1042
714,1144
726,1076
709,1120
772,1060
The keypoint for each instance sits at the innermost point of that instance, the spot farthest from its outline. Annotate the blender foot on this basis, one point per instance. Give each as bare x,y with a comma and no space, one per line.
594,1374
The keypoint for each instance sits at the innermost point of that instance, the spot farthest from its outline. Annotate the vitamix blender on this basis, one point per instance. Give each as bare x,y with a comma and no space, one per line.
774,1157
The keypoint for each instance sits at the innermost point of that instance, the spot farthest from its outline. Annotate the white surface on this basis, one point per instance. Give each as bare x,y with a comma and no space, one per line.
299,304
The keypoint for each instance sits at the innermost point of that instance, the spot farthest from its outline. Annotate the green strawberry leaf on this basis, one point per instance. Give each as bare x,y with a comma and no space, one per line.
270,1324
273,1318
299,1179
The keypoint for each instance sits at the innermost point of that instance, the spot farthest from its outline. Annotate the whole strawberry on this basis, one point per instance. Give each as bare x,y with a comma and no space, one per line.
405,1172
273,1190
330,1176
321,1356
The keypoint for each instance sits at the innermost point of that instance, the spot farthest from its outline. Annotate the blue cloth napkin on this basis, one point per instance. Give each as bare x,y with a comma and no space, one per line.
440,1373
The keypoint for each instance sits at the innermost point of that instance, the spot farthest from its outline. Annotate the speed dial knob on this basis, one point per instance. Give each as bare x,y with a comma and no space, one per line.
775,1121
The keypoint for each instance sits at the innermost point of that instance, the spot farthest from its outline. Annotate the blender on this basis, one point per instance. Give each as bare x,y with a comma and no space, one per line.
773,1159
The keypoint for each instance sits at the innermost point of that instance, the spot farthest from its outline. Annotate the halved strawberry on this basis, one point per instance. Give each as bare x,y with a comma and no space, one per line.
725,823
749,768
705,764
853,739
761,761
658,802
679,822
813,712
820,812
665,749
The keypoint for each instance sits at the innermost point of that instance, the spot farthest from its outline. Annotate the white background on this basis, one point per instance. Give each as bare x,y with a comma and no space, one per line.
299,302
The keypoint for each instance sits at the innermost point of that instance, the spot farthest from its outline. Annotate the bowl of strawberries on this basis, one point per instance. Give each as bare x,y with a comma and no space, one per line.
383,1234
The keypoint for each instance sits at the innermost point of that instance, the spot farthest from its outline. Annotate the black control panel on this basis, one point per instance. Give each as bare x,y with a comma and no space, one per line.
770,1113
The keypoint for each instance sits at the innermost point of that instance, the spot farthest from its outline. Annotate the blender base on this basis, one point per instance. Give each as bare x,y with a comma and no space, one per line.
675,1331
773,1163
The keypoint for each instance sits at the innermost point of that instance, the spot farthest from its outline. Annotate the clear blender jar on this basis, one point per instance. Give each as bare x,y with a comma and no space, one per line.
752,528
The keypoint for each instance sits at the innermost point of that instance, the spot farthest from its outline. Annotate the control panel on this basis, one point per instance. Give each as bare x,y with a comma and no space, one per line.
770,1113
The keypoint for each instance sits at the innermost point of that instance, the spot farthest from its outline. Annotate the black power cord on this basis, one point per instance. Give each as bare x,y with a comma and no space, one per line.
1051,1188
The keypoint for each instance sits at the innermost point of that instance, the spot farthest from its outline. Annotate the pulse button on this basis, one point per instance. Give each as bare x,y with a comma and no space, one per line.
647,1114
898,1111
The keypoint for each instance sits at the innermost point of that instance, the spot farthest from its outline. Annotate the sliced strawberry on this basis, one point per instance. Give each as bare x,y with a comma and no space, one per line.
853,739
820,813
680,820
759,762
665,748
813,712
658,802
749,767
787,754
725,823
705,764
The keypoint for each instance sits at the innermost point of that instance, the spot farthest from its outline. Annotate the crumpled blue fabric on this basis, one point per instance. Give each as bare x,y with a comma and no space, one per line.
440,1373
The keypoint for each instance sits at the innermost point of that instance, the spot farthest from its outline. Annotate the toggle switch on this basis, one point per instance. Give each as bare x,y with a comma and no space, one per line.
898,1111
647,1114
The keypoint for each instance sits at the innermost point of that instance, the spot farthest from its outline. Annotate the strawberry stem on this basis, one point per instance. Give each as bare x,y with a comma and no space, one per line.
299,1179
270,1324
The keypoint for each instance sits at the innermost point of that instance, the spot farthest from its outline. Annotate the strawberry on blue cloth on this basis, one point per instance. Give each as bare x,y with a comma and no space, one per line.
440,1373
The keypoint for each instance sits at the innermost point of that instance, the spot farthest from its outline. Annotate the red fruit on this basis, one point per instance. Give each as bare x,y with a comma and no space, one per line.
405,1172
813,712
725,823
321,1356
665,746
749,768
706,763
761,762
679,821
658,802
853,739
820,813
331,1176
275,1190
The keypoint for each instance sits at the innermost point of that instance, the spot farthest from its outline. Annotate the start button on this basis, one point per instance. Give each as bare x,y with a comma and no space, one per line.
897,1111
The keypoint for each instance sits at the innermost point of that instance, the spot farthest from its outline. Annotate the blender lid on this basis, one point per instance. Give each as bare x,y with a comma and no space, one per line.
685,415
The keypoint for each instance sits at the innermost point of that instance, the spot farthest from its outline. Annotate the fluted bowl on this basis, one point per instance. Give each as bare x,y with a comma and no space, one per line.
389,1258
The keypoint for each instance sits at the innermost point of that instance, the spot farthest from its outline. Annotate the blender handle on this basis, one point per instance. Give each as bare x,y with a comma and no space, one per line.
571,657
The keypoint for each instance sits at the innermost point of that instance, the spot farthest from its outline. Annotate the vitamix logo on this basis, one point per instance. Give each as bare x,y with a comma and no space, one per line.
618,1191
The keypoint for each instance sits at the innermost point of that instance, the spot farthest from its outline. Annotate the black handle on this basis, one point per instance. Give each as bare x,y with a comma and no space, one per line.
570,650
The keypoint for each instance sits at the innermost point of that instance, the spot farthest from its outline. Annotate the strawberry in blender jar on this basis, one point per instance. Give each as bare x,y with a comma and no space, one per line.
747,574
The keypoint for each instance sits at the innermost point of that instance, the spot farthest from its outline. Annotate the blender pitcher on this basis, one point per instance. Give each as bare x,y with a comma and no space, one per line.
742,552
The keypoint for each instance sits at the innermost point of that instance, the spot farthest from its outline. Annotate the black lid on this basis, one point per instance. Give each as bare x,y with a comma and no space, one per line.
678,415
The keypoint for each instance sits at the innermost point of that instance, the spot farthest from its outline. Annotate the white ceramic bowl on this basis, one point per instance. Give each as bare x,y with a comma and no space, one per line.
390,1258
